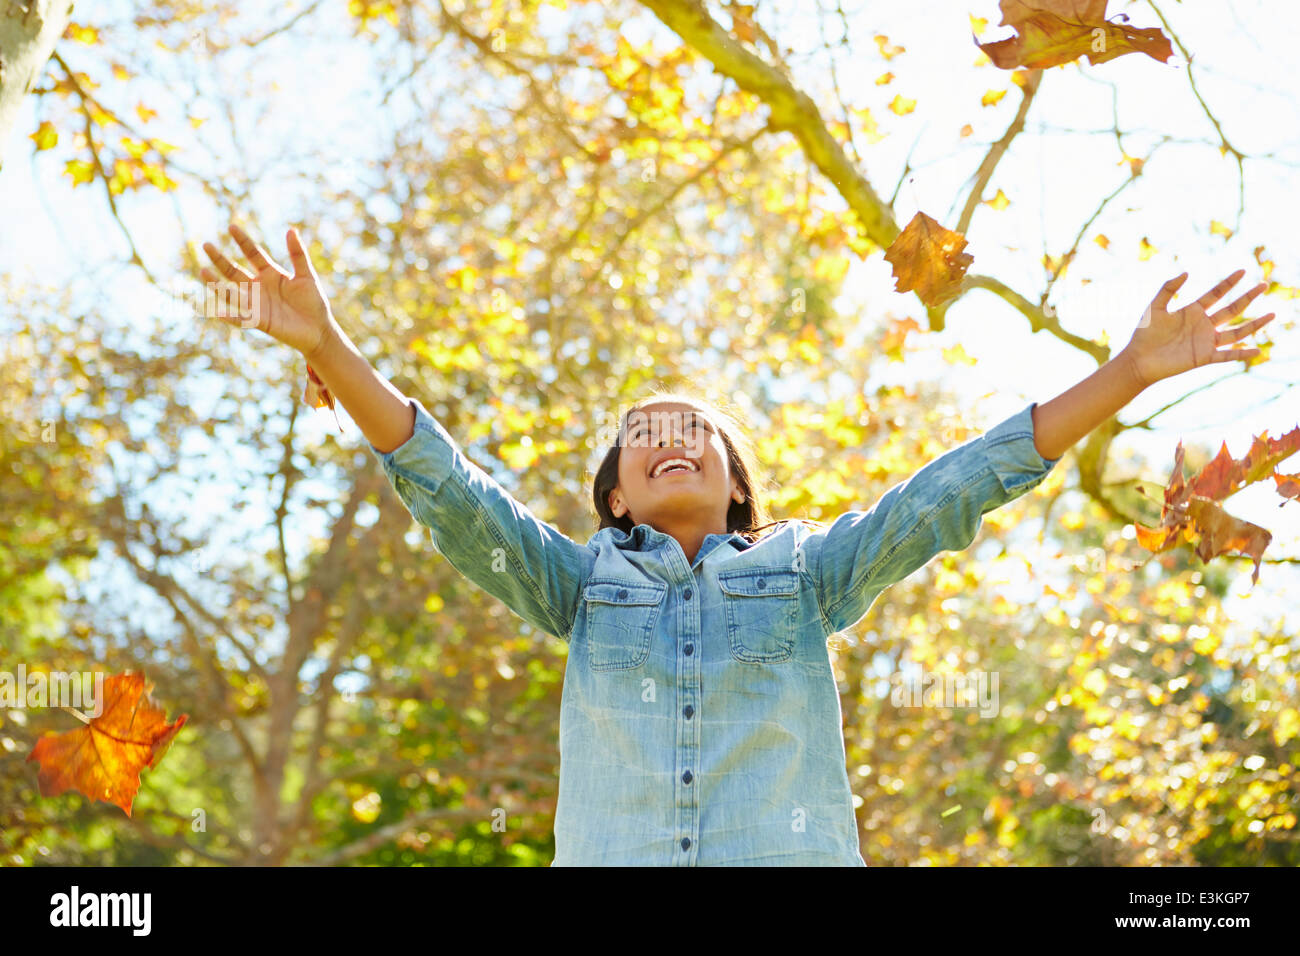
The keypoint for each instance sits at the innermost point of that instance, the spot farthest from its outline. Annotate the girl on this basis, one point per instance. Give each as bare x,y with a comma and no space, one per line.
700,722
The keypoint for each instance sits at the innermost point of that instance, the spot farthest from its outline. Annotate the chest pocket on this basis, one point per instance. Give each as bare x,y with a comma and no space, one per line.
761,605
620,621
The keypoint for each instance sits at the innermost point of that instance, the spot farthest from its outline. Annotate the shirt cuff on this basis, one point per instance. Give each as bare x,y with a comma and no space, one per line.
1011,451
427,456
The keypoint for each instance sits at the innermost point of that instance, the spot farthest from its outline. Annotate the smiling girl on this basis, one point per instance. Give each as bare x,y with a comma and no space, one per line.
700,721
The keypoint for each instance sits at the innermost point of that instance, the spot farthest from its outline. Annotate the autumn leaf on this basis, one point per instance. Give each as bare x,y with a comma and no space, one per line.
1288,486
316,395
103,759
80,170
45,136
1191,507
928,259
1054,32
1221,533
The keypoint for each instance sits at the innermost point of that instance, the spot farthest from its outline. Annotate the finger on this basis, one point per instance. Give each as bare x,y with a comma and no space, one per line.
225,266
1239,332
1238,306
1168,290
1233,355
252,251
1220,290
298,255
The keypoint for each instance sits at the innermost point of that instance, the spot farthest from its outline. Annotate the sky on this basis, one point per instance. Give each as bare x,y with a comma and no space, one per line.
1055,175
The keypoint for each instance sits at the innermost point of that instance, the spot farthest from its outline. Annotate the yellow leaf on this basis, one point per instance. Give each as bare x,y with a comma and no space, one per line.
958,354
1219,229
966,130
901,105
886,49
45,136
998,202
1146,250
1095,682
1102,241
434,603
884,78
81,34
80,170
144,112
992,97
977,24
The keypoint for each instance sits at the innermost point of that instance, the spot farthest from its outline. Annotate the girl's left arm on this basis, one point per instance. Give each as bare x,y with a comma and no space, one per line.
1165,344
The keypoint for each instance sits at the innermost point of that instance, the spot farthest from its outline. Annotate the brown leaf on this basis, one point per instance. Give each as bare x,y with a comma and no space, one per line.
1288,486
1222,533
103,759
1052,32
928,259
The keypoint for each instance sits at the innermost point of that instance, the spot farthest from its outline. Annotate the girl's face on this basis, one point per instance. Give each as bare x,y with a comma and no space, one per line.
672,468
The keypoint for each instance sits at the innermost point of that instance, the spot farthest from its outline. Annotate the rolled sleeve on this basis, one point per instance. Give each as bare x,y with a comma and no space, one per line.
1013,455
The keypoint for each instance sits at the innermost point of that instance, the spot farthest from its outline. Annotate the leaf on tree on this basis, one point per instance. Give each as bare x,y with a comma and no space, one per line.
103,759
317,395
928,259
1053,32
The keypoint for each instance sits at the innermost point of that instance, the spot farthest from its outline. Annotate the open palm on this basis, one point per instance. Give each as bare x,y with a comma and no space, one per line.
1169,343
290,308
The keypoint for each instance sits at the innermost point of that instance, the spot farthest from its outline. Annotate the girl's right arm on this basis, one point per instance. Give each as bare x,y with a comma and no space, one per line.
484,533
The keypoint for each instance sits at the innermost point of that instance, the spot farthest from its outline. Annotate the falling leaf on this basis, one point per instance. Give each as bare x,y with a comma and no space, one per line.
1221,533
318,396
958,354
1146,250
1102,241
1054,32
103,759
884,79
1219,229
978,24
928,259
966,130
1288,486
992,97
45,136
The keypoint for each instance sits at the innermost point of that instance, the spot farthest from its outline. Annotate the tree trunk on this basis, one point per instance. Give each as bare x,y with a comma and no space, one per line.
29,29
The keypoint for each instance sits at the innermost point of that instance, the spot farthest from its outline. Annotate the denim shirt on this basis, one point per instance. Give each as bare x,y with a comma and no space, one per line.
700,721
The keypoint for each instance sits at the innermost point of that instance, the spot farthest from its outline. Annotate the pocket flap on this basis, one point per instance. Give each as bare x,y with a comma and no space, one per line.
759,582
623,592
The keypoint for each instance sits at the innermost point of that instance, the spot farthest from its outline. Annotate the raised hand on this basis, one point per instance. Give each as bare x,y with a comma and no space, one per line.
1169,343
292,309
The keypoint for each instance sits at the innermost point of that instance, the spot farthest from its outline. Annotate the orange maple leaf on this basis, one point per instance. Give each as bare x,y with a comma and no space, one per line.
928,259
1052,32
103,759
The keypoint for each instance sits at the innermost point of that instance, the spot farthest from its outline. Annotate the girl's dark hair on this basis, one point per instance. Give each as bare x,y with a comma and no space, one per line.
748,518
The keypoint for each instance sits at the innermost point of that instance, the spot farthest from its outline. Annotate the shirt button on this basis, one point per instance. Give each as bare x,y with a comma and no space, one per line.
622,595
686,843
689,711
688,649
686,777
687,595
761,584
